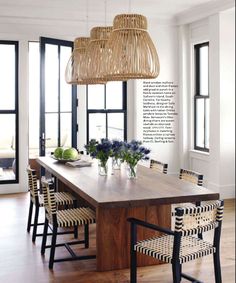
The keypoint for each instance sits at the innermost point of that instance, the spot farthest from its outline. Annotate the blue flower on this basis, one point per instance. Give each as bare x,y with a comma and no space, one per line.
133,152
101,151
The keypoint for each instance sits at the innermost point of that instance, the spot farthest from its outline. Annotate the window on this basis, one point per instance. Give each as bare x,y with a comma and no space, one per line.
201,97
8,112
107,111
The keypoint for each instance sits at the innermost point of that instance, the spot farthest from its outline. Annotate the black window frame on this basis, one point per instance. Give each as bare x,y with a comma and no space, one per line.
198,95
15,111
108,111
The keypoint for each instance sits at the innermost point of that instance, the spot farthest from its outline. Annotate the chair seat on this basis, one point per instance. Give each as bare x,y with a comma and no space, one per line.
162,248
61,198
74,216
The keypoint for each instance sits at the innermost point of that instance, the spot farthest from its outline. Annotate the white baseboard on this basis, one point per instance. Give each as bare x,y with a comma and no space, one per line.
11,189
226,191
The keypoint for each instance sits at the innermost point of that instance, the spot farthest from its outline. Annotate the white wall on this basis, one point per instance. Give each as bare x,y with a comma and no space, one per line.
165,38
217,165
227,101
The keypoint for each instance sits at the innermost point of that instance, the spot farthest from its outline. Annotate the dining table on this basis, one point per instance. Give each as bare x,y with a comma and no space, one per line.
115,198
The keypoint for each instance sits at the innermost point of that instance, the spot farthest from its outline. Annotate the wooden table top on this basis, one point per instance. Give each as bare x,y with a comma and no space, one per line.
150,188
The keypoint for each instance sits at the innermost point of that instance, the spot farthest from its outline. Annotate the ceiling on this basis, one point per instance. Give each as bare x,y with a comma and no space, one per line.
76,10
69,18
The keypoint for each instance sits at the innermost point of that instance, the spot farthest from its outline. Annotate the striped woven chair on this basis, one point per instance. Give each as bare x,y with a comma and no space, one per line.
74,217
158,166
192,177
37,201
181,245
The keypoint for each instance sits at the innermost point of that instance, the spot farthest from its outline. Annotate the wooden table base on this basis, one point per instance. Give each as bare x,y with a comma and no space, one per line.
113,234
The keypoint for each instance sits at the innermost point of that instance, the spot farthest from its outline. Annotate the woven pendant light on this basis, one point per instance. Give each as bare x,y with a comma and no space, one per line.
131,52
73,73
94,67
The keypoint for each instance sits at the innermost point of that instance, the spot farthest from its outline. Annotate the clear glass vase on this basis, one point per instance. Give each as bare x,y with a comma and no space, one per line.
116,163
102,168
131,171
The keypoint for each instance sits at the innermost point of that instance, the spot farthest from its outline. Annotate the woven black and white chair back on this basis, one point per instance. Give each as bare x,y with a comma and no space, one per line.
197,219
191,176
32,182
158,166
49,198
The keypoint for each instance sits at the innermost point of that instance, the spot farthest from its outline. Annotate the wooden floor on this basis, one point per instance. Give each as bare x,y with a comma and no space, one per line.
21,261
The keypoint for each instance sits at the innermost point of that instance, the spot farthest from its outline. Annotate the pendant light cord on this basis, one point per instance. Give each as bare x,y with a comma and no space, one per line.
87,19
105,4
130,6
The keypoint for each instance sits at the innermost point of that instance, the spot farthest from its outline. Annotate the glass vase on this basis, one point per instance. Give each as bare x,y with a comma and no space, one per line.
116,163
102,168
131,171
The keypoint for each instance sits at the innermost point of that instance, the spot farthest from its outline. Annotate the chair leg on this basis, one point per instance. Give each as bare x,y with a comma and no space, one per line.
36,216
176,271
217,267
133,267
53,247
45,233
200,236
133,253
30,216
75,227
75,231
86,235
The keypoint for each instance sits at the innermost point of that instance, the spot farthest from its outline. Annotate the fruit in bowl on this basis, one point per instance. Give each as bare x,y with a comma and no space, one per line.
70,153
64,155
58,152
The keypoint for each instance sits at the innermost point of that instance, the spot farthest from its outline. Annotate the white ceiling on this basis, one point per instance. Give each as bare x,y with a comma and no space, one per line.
75,10
70,18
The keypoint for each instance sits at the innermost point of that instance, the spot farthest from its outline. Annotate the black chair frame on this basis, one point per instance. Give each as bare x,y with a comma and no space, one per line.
176,266
35,223
67,245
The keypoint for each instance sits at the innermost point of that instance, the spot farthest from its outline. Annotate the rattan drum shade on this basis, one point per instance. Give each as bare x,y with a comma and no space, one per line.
73,73
94,65
131,53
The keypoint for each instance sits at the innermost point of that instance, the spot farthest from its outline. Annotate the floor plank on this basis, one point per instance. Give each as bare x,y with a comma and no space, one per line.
21,262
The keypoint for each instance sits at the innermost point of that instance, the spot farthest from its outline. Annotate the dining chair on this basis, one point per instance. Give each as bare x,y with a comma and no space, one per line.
158,166
36,200
181,245
192,177
65,218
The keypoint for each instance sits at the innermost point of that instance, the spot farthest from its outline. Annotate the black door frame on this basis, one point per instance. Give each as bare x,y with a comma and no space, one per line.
15,111
59,43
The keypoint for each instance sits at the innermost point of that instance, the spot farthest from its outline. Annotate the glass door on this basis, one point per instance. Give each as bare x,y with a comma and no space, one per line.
58,102
9,171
